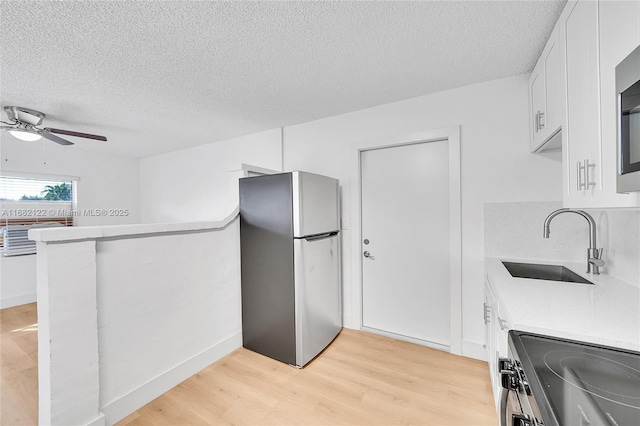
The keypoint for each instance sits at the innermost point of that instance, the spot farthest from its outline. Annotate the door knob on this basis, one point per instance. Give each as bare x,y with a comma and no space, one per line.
367,254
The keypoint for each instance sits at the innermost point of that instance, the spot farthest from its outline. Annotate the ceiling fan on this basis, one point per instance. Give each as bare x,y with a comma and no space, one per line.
23,122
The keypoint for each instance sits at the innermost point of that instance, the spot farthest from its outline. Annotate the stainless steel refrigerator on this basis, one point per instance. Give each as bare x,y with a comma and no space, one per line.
290,253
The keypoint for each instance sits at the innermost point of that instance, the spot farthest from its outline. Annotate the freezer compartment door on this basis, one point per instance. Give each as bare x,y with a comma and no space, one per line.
318,295
315,204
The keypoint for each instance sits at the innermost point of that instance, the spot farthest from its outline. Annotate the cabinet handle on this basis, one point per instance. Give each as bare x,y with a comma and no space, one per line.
503,324
541,122
537,121
580,169
588,181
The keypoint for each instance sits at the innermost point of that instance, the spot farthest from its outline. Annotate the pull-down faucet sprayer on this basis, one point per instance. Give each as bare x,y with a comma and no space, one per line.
594,255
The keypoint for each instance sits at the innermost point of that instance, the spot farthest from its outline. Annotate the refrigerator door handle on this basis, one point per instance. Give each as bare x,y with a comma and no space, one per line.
322,236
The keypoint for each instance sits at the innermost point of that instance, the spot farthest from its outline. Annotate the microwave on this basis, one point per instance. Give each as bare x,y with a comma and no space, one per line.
628,116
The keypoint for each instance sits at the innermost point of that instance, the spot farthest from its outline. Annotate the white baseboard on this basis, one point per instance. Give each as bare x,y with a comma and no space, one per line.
420,342
23,299
474,350
100,421
347,322
127,404
470,349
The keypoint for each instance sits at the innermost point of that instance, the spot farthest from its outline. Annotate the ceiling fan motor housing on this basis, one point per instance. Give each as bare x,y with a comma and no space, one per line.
25,115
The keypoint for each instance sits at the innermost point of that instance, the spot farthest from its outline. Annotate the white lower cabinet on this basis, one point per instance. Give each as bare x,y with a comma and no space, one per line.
496,330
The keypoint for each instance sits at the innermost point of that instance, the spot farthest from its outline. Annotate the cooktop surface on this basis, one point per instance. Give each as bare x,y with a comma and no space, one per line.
586,384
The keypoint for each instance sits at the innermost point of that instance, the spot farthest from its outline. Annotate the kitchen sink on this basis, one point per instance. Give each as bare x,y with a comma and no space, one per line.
543,272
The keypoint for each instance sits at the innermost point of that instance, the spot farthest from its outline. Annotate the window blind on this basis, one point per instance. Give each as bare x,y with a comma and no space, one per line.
28,189
27,203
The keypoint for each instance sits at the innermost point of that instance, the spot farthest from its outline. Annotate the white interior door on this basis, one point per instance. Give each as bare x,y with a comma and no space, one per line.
405,241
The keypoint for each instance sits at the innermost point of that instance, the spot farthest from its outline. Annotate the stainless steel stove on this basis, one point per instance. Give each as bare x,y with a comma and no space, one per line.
550,381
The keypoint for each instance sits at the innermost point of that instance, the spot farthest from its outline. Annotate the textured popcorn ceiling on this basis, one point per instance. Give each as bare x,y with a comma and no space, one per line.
158,76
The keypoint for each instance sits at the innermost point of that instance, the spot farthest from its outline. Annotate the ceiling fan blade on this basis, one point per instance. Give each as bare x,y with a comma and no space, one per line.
78,134
53,138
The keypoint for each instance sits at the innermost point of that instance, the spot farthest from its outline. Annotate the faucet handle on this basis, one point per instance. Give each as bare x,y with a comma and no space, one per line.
597,258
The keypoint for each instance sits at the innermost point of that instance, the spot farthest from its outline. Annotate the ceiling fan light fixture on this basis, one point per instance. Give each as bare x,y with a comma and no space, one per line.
22,125
25,135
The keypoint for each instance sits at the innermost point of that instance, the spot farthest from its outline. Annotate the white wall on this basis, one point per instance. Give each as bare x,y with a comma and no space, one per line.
194,184
125,313
166,309
106,182
496,166
199,183
17,280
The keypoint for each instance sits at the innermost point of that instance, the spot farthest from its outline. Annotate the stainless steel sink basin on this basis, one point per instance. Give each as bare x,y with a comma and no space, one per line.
543,272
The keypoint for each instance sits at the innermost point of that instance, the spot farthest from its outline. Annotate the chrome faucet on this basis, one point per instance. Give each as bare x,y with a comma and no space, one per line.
594,255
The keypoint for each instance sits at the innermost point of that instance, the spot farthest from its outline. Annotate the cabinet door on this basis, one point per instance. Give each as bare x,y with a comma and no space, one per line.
537,106
598,35
553,72
619,35
581,133
503,328
545,96
492,334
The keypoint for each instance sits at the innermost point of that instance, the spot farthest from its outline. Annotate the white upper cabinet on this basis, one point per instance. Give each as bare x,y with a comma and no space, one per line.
597,36
619,36
545,98
554,73
582,127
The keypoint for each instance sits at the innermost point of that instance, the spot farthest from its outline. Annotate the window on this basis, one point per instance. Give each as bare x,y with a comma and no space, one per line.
27,203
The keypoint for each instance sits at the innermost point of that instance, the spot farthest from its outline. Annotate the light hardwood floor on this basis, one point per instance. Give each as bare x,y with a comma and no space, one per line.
361,379
19,365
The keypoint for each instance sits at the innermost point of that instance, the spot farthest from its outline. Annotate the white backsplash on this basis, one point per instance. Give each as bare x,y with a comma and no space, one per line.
514,230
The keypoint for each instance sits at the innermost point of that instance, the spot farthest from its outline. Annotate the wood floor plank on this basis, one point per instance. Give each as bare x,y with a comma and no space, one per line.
19,365
361,379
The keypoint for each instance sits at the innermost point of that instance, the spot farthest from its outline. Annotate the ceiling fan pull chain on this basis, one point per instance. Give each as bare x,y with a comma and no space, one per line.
3,150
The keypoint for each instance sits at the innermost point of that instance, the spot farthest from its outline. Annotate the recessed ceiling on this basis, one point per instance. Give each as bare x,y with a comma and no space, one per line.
156,76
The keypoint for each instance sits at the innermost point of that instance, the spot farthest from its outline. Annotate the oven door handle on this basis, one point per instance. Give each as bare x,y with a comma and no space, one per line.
510,411
584,421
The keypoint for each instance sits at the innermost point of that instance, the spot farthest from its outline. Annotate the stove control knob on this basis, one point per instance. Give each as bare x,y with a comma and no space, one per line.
508,379
505,364
521,420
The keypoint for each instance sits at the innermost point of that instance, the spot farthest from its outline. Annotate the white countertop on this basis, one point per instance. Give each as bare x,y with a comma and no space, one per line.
71,233
606,313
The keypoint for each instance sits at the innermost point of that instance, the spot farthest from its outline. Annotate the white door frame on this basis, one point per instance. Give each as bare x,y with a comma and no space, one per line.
452,135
